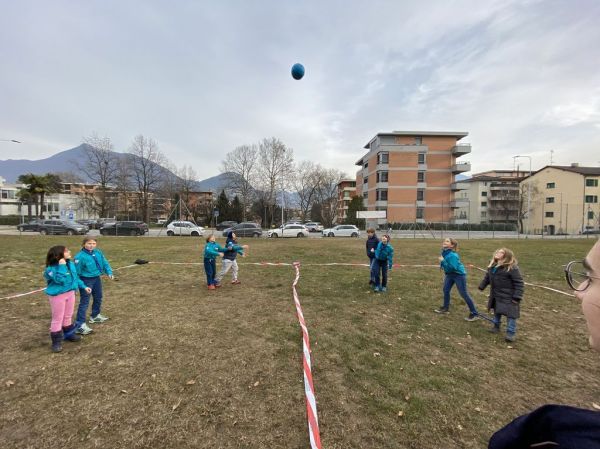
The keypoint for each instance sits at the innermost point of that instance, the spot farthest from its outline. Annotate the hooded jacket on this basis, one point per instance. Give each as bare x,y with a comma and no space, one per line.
62,278
383,252
212,250
451,263
506,286
92,263
372,242
231,248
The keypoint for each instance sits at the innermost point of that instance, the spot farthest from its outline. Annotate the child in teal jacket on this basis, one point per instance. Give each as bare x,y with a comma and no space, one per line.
212,250
384,260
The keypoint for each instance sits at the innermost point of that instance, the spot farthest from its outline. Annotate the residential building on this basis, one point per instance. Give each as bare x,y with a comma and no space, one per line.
411,175
564,199
346,189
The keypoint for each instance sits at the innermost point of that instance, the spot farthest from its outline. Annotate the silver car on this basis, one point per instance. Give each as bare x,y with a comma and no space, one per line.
184,228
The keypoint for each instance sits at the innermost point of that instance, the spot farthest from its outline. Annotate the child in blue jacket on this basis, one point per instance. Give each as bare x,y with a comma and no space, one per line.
455,274
91,265
62,281
212,250
383,260
370,246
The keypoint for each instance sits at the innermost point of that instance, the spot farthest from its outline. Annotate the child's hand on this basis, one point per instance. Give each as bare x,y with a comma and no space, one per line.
62,261
88,290
111,277
372,250
440,258
245,246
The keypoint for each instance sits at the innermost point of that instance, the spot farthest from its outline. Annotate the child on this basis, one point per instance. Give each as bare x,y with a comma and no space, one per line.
91,264
371,245
212,250
455,274
62,281
384,256
506,290
232,249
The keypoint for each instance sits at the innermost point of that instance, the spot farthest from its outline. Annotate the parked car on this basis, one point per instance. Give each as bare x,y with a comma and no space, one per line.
124,228
591,231
102,221
62,227
291,230
225,225
314,226
342,231
184,228
91,224
246,229
33,225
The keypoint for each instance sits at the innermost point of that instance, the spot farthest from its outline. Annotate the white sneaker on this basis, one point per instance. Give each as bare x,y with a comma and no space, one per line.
84,329
98,319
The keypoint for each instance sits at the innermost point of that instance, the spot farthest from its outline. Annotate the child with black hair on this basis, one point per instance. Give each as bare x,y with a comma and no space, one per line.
370,246
212,250
62,281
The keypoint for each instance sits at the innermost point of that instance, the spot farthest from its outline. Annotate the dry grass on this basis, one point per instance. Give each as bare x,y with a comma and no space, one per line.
180,367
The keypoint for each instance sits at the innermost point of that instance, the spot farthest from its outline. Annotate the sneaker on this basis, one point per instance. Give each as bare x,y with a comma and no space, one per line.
383,289
236,282
84,329
217,285
98,319
494,330
211,287
442,310
471,317
510,338
376,290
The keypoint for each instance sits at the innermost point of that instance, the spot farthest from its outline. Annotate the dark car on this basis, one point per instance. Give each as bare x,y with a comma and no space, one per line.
124,228
91,224
62,227
33,225
225,225
246,229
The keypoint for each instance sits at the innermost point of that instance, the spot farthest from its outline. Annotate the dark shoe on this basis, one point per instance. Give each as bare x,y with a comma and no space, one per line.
442,310
472,317
510,338
70,333
494,330
57,338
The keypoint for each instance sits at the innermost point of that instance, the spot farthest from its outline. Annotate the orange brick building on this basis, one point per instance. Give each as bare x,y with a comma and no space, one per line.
411,175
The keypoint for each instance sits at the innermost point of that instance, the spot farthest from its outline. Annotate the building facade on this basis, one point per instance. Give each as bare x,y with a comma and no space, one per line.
346,190
411,176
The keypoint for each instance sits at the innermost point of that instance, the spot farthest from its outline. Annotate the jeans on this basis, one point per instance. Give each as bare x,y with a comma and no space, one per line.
461,283
511,323
371,263
379,265
210,266
95,284
61,307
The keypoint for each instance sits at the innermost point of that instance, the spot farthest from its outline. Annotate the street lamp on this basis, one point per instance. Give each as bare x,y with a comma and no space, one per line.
9,140
528,193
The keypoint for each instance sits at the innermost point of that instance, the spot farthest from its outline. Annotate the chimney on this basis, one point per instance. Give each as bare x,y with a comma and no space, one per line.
574,164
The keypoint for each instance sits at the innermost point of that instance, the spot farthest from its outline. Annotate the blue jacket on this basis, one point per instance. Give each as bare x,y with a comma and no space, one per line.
212,250
451,263
232,248
92,264
62,278
371,244
383,252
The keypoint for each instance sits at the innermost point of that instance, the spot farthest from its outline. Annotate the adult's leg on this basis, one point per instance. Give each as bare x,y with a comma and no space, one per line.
461,284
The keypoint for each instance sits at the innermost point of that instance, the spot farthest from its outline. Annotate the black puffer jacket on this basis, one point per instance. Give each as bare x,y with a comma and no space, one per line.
506,290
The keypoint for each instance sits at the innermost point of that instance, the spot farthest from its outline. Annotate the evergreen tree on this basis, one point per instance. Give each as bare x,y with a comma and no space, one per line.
222,205
354,206
236,210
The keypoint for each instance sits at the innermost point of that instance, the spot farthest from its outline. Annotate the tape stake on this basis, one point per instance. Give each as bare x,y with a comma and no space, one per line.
309,391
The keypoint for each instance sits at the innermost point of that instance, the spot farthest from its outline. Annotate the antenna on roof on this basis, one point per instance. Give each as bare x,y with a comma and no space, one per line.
551,157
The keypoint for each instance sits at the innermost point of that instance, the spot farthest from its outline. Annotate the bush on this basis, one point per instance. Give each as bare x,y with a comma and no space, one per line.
10,220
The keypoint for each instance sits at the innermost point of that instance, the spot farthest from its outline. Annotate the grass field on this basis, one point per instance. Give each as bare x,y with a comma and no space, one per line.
178,366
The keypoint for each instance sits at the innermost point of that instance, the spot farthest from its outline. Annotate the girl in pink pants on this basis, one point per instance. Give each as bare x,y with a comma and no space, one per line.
62,281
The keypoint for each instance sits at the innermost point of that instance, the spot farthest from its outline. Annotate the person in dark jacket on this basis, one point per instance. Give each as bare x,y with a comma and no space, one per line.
232,249
371,245
506,290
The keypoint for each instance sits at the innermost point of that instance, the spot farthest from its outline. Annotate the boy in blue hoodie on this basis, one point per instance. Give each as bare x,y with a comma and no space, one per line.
229,262
371,245
91,265
383,260
212,250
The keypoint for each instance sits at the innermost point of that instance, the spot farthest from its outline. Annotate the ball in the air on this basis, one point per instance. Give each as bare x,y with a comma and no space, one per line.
297,71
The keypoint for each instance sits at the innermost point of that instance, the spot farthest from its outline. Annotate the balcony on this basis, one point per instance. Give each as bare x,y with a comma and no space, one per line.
459,221
420,203
455,186
461,167
461,149
459,202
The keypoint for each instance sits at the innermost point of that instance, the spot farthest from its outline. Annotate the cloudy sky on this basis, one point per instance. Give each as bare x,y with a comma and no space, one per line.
203,77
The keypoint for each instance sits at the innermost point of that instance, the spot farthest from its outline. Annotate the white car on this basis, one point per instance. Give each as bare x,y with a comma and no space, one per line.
314,226
291,230
342,231
184,228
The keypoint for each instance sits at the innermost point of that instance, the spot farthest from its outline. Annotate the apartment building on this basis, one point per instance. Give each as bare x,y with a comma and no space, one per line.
411,175
564,199
346,190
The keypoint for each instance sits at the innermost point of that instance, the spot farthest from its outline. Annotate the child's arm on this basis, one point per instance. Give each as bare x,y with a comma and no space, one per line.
57,275
106,266
390,257
485,281
518,285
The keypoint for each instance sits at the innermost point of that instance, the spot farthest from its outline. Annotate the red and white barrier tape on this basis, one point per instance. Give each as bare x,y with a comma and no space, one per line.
309,391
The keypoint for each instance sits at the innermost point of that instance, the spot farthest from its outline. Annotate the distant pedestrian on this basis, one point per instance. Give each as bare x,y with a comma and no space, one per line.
371,245
61,283
212,250
232,249
383,261
506,290
455,273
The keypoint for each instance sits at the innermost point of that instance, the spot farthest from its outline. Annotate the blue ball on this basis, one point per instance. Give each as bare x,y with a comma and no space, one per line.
297,71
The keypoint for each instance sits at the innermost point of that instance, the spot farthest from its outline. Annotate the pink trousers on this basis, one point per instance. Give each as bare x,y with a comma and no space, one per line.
62,310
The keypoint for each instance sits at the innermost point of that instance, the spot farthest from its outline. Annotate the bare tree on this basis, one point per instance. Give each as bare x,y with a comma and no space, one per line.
305,184
239,167
275,162
526,199
187,177
100,165
146,164
328,180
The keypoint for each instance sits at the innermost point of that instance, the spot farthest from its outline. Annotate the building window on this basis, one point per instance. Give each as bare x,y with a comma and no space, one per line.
381,195
8,194
421,176
382,176
484,204
549,214
366,165
420,194
366,196
549,199
591,198
383,157
421,158
420,212
483,193
590,214
483,214
366,180
418,140
591,183
550,185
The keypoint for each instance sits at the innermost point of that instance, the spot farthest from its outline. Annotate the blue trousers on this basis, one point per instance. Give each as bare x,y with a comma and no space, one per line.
379,267
511,323
461,284
210,266
95,284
